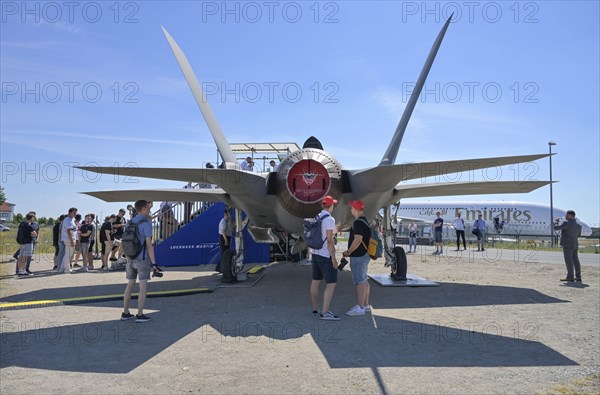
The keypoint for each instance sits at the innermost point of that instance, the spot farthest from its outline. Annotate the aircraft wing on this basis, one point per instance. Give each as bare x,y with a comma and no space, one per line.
416,220
161,195
380,178
405,191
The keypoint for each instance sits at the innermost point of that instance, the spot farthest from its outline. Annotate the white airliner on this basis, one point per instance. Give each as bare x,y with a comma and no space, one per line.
507,218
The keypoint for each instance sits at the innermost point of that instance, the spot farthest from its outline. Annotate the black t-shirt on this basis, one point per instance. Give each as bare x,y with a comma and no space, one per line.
84,229
56,234
119,231
360,228
441,222
105,226
27,229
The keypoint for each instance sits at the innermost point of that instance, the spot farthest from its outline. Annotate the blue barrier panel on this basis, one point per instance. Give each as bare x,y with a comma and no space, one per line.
197,243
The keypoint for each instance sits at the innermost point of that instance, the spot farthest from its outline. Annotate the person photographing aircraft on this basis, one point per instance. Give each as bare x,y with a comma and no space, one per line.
570,231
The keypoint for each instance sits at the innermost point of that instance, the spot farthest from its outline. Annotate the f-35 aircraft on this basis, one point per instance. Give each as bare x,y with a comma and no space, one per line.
281,200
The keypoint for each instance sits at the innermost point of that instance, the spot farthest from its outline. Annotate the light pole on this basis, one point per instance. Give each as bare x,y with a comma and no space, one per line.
550,144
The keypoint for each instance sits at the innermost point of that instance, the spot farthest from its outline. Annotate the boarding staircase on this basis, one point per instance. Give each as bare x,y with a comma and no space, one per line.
186,233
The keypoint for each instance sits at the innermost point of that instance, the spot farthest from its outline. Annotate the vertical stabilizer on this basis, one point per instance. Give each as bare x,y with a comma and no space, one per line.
207,113
392,151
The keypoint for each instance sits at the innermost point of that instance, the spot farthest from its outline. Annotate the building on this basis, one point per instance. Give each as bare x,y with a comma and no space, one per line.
7,211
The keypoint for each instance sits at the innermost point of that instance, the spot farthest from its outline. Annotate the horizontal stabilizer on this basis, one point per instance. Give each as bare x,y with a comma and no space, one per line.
383,178
405,191
162,195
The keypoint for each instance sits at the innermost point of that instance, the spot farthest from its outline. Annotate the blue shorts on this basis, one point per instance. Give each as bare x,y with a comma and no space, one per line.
322,268
359,266
438,237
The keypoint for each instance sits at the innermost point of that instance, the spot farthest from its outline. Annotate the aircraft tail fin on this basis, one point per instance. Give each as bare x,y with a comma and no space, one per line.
392,151
207,113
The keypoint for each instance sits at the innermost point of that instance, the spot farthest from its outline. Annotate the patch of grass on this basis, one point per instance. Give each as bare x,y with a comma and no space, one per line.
585,386
8,243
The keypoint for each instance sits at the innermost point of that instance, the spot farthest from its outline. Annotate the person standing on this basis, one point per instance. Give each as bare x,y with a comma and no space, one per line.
105,240
412,237
459,226
225,235
68,237
360,236
36,228
438,226
140,266
85,232
78,224
274,166
187,206
26,244
56,242
92,228
480,226
570,231
169,223
118,226
247,164
324,263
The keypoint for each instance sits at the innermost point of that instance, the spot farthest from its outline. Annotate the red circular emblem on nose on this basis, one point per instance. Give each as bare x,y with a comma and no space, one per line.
308,181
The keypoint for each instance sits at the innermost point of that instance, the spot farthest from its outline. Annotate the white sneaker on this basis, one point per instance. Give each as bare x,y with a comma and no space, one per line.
367,307
356,310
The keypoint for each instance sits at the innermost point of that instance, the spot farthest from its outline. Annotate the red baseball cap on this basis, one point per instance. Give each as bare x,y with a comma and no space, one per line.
357,205
328,201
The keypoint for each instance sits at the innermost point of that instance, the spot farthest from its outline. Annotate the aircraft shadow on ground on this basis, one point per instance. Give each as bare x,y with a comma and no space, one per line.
281,313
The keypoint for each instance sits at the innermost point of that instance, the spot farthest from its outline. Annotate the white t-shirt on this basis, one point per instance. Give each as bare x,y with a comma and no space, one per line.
327,224
225,227
458,223
412,228
68,223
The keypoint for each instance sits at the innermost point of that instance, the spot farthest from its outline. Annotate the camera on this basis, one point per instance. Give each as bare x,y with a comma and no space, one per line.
157,272
343,263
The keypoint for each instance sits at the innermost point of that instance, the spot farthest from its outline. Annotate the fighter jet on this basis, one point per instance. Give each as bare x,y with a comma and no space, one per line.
281,200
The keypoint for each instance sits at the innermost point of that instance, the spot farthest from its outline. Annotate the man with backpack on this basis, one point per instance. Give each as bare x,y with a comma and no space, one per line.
140,259
324,262
360,237
25,236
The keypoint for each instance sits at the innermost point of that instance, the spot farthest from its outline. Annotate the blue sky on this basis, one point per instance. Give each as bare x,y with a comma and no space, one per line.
97,83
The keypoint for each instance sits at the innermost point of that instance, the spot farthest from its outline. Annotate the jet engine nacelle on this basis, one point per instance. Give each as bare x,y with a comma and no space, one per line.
304,178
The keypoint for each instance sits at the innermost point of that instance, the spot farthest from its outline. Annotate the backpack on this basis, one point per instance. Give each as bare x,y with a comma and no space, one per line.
375,248
130,240
21,233
313,235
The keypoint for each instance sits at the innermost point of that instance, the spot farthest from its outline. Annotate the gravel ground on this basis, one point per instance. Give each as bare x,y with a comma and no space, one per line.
496,325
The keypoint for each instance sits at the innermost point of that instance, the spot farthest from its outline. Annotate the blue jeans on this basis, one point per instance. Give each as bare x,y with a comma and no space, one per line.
359,265
480,238
412,242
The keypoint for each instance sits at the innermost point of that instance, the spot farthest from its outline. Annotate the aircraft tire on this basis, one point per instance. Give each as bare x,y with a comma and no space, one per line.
228,266
400,265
